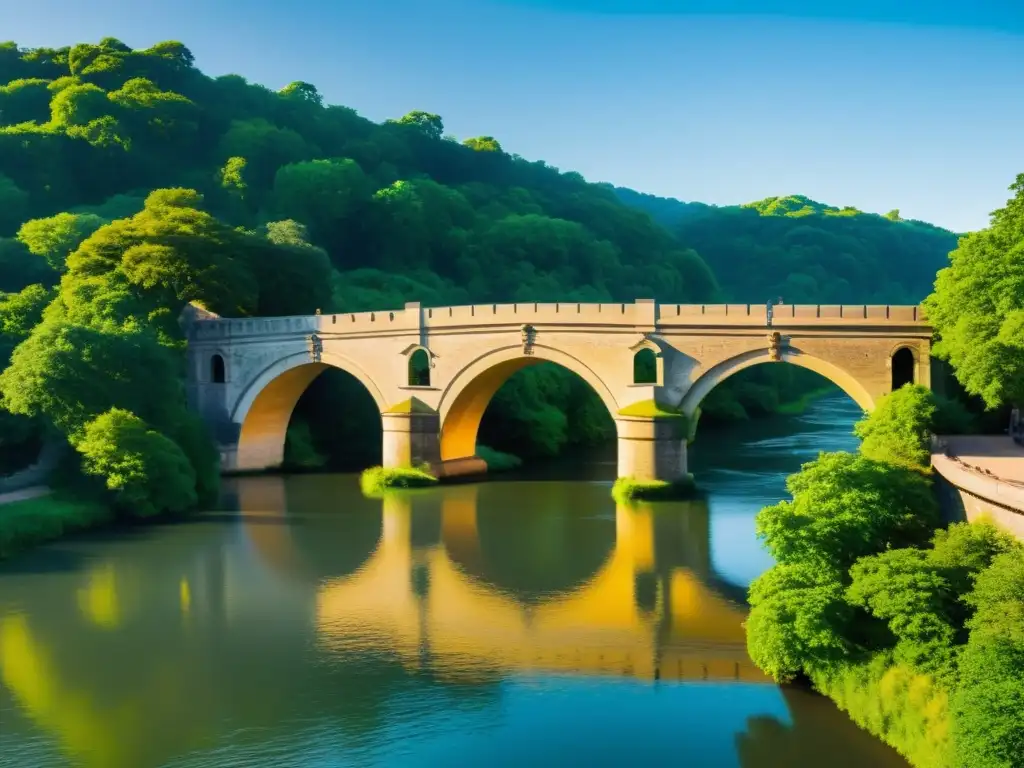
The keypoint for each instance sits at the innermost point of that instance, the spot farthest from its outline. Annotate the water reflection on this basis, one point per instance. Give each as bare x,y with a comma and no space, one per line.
630,596
501,623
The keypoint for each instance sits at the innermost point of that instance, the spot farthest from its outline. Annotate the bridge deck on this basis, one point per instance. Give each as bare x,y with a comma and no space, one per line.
988,473
995,456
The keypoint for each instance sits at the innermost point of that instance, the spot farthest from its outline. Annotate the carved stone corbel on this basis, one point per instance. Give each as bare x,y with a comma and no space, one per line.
315,346
529,335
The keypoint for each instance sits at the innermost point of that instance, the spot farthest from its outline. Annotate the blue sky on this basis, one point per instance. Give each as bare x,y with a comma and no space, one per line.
724,101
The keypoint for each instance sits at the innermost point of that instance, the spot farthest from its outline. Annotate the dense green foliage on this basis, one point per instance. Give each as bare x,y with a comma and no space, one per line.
24,524
978,306
806,252
897,432
918,633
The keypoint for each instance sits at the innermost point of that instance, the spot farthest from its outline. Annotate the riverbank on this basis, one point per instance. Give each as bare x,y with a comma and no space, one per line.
28,522
915,630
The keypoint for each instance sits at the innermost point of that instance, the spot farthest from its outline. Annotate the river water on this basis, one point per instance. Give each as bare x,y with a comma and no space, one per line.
527,621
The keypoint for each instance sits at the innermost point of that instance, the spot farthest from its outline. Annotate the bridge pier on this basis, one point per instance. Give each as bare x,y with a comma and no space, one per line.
410,439
651,448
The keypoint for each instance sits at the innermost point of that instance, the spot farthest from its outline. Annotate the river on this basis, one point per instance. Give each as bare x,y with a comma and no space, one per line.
522,621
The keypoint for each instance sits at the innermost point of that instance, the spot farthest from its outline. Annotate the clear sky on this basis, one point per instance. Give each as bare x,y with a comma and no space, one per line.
725,101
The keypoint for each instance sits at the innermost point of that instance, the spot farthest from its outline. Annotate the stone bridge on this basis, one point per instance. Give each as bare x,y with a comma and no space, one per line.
432,372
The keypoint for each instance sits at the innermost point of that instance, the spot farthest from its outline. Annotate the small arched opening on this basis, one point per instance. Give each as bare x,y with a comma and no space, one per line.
419,368
217,375
645,367
903,365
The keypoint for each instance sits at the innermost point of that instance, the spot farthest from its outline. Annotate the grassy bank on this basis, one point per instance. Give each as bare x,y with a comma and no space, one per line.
376,480
916,631
28,523
627,489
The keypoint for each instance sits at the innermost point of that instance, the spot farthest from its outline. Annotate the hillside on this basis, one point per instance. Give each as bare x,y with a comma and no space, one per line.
805,251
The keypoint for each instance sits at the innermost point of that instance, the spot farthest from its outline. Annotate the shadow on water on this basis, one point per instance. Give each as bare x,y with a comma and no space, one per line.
499,623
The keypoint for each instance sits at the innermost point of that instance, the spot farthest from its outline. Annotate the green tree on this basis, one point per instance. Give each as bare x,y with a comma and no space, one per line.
13,204
147,472
428,124
987,727
483,144
798,619
896,431
978,306
322,194
55,237
71,373
844,507
24,101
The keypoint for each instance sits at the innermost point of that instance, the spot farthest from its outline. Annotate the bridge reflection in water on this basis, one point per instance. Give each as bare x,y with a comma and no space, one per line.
648,612
291,627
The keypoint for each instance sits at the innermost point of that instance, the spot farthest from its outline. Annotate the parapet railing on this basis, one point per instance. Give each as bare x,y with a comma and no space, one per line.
644,313
942,446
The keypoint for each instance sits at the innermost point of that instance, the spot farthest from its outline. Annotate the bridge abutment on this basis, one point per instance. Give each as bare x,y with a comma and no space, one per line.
651,448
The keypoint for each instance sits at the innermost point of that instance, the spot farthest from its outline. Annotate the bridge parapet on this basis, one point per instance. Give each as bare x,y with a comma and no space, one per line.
644,314
805,314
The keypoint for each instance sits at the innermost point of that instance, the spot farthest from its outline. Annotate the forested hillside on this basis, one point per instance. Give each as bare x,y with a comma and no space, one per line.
132,184
804,251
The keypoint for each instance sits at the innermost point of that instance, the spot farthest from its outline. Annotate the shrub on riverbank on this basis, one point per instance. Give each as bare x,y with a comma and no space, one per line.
376,480
28,523
627,489
496,460
918,635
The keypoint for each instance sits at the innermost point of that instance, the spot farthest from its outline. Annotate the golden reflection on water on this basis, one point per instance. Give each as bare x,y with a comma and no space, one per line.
98,599
473,629
194,625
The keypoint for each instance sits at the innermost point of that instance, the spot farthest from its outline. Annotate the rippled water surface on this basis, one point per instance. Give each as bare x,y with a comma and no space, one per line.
529,621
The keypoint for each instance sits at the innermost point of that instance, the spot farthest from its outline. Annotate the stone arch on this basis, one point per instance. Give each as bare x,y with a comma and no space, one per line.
265,406
465,399
723,370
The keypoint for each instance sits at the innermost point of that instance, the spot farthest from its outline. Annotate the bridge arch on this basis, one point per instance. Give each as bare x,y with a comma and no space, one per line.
265,406
723,370
466,398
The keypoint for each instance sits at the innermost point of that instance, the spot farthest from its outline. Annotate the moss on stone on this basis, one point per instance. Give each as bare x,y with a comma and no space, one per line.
628,489
376,480
412,405
651,409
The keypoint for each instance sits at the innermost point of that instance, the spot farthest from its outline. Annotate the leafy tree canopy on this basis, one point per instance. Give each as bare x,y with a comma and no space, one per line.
978,306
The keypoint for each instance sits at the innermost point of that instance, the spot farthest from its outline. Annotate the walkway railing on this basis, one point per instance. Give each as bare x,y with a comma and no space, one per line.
942,446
